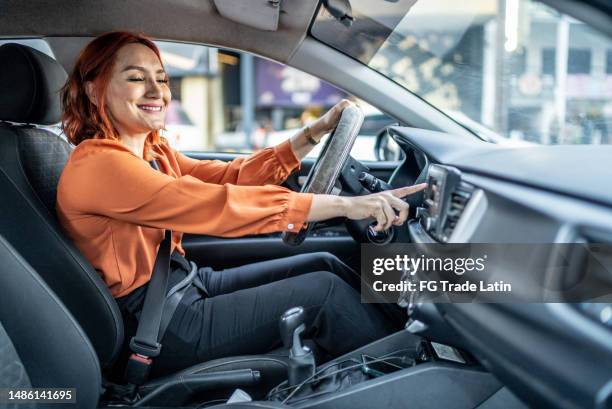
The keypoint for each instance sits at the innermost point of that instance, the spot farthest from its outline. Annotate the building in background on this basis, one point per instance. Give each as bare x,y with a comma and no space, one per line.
515,66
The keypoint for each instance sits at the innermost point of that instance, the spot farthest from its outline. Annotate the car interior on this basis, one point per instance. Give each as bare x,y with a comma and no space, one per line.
61,328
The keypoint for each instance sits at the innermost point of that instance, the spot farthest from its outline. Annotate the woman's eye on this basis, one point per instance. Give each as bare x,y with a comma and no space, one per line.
136,79
163,81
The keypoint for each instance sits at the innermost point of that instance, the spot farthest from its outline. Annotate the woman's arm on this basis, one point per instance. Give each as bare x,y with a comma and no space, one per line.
301,144
127,188
268,166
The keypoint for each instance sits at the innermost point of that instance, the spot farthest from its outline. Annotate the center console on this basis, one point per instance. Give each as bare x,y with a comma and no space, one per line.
397,372
392,372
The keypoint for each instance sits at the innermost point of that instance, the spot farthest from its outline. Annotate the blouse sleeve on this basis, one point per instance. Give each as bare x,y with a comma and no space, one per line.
267,166
128,189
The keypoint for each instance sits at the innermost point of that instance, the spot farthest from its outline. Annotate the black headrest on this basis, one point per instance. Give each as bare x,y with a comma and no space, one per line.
29,85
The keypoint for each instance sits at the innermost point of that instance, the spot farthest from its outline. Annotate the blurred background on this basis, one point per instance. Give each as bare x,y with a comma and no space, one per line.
226,101
511,69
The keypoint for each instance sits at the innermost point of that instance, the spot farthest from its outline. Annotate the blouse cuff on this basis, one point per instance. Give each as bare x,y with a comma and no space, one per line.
285,155
298,208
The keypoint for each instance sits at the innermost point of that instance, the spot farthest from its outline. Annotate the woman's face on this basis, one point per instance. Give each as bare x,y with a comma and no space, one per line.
138,93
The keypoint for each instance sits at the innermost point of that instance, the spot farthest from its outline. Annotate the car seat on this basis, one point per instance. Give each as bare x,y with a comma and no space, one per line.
42,345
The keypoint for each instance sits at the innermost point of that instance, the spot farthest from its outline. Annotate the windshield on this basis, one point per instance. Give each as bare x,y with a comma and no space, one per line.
515,69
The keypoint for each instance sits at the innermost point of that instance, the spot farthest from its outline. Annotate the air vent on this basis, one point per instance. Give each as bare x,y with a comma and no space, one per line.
458,200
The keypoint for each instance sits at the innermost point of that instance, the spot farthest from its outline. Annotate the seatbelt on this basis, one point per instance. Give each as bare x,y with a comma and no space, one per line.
144,345
174,297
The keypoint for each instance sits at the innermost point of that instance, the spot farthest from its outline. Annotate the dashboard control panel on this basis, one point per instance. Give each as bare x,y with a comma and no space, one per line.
444,201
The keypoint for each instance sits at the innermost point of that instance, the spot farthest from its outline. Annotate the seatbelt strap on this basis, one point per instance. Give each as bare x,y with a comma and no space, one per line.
174,297
144,344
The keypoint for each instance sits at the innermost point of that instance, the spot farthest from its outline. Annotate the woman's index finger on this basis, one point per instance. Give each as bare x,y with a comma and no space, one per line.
408,190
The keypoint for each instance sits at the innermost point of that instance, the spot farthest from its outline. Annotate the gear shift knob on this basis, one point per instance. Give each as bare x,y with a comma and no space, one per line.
290,323
301,359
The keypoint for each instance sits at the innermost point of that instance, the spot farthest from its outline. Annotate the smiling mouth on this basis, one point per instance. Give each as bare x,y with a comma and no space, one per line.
150,108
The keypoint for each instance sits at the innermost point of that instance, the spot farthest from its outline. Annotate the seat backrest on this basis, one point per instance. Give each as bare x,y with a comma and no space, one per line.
31,160
41,345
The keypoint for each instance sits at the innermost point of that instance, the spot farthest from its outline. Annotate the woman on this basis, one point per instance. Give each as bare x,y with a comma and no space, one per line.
115,207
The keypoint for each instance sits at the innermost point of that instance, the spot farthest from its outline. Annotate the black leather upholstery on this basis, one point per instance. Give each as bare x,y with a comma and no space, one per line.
29,85
43,157
52,347
12,372
273,369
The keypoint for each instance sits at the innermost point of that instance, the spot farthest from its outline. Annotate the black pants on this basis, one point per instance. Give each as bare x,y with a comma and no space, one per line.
241,312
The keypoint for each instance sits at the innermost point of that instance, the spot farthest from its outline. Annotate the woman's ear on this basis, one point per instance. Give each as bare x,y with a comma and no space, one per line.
90,90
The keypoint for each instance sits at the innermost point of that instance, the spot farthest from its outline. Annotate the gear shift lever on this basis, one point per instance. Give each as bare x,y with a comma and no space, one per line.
291,327
301,359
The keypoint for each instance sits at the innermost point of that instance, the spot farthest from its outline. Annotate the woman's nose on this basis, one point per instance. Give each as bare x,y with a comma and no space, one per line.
154,89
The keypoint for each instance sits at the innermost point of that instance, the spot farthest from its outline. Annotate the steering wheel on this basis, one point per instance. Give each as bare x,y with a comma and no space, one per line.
324,174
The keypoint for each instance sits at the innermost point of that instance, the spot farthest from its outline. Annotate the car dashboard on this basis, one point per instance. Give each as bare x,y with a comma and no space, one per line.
534,348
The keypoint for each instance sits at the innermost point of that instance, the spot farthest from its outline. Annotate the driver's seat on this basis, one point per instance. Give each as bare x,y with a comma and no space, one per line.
31,161
42,346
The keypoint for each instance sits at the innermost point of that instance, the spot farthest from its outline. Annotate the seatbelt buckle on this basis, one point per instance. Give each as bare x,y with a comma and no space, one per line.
137,369
141,360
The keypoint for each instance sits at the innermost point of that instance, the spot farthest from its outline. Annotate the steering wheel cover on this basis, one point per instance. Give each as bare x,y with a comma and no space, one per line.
324,174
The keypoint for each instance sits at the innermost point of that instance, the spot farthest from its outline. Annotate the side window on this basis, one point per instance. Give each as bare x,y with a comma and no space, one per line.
225,101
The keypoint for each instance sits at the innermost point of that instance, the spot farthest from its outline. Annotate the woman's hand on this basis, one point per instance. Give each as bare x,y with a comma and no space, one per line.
301,144
329,120
381,206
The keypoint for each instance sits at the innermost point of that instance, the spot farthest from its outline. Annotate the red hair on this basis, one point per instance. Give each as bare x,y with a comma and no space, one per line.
81,118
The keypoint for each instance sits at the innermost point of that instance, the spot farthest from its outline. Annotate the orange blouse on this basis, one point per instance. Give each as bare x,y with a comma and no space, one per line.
115,206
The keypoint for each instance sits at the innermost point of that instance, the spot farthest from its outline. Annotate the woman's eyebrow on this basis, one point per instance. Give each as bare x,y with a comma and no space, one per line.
139,68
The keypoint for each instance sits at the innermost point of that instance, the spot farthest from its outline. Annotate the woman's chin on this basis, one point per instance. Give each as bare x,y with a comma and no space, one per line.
155,126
